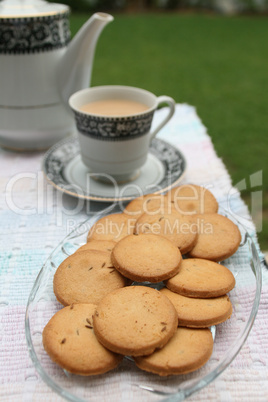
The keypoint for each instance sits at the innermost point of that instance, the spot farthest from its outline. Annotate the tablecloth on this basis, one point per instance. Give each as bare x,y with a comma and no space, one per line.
34,219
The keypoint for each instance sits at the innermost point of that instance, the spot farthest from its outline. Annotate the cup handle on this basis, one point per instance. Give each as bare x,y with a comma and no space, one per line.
171,104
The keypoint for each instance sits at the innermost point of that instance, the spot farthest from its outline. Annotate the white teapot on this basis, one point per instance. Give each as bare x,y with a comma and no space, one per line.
40,69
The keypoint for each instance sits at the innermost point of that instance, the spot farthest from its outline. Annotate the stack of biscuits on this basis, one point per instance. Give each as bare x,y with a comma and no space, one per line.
147,284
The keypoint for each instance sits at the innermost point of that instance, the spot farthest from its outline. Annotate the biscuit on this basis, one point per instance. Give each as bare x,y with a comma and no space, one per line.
145,203
218,237
188,350
179,229
201,278
200,313
146,257
193,199
69,340
100,245
135,320
112,227
86,277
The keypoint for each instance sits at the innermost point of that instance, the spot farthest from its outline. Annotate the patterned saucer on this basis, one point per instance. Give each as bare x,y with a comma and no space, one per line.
64,169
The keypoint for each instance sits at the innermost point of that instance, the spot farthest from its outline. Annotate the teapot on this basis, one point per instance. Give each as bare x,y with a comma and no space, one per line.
39,69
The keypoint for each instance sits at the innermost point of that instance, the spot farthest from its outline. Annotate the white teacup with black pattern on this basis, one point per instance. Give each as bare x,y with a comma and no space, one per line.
117,145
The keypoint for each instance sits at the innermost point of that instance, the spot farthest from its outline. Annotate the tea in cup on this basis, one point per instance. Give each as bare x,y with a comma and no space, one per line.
114,128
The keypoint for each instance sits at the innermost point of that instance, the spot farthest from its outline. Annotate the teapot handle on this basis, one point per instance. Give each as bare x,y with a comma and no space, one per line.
171,104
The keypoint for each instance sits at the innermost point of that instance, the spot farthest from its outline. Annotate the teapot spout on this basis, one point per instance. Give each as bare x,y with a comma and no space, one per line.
75,66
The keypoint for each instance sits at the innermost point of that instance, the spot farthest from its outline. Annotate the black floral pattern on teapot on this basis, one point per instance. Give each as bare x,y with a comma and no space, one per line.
34,35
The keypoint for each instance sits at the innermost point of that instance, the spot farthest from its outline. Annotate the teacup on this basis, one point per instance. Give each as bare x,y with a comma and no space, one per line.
114,128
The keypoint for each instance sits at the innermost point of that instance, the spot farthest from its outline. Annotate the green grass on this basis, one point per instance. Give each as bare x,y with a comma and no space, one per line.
215,63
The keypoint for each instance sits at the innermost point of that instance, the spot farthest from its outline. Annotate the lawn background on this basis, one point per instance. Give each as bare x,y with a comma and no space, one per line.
218,64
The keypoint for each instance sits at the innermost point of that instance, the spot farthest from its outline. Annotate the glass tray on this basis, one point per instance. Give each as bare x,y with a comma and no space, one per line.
127,382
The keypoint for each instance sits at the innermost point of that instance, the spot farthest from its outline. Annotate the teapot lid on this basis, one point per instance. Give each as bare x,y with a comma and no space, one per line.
30,8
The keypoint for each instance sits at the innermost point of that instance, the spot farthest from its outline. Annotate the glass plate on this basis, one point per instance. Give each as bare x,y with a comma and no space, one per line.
127,382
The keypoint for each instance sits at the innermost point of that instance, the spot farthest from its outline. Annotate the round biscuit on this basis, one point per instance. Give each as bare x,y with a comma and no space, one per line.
69,340
146,257
135,320
188,350
200,313
193,199
86,277
179,229
201,278
218,237
153,203
112,227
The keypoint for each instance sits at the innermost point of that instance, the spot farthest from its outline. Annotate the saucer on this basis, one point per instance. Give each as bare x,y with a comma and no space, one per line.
64,169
